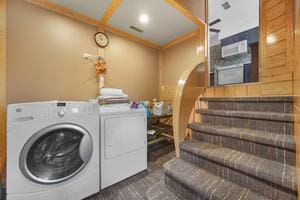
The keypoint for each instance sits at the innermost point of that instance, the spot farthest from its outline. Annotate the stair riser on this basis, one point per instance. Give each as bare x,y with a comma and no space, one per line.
262,150
263,125
180,189
211,194
266,188
278,107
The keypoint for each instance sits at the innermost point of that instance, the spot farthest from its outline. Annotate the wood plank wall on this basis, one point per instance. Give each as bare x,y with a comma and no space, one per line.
243,90
2,85
297,87
276,47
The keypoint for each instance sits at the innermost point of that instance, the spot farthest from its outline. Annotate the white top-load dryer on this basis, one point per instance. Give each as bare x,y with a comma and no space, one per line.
123,142
52,150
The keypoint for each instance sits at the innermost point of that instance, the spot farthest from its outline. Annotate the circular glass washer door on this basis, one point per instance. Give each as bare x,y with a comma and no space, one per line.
56,153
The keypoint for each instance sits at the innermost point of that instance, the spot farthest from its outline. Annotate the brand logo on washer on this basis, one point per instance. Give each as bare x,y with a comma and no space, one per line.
18,109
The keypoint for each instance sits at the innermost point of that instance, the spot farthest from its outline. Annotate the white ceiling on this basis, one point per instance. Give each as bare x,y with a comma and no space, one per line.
243,15
91,8
165,22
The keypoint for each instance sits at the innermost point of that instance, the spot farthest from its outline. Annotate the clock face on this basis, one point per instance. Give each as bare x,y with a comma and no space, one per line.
101,39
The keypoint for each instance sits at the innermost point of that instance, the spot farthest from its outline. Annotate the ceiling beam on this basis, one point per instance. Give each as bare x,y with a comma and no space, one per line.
179,39
131,37
64,11
110,11
185,12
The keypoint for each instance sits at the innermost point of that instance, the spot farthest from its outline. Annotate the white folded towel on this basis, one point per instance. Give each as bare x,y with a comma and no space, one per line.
110,97
111,92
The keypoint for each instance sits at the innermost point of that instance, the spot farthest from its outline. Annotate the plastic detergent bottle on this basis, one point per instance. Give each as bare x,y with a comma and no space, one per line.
145,104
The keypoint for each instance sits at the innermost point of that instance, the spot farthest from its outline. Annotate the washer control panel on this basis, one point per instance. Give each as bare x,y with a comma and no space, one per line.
64,109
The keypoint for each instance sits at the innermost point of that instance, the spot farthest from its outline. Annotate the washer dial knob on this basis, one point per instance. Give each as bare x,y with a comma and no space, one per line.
61,113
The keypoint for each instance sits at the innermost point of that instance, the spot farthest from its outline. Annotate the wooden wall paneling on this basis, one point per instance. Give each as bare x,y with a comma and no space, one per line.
209,92
160,73
297,87
229,91
242,90
167,92
277,88
202,49
276,10
290,34
201,44
286,76
276,24
271,3
2,86
276,61
276,47
254,90
276,70
219,91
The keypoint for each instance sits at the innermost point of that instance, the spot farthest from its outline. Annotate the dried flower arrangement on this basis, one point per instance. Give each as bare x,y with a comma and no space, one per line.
100,67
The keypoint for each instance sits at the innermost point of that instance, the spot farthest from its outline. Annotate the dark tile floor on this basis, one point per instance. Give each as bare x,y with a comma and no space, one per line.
135,188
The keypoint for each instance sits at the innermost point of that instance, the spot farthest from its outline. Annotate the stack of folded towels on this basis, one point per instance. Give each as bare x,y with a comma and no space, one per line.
112,96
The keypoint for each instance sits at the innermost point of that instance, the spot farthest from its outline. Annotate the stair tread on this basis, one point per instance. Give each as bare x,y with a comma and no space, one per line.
268,170
249,99
248,114
207,184
159,191
257,136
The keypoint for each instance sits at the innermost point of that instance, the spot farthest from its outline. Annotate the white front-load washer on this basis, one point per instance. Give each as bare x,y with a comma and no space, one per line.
52,150
123,142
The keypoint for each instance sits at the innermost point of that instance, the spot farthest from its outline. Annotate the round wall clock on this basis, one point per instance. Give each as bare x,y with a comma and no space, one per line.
101,39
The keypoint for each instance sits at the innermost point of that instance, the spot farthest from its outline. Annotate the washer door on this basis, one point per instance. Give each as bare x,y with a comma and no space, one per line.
56,153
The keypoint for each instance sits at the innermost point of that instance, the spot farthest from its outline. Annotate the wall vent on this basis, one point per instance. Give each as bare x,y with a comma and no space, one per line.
226,5
136,29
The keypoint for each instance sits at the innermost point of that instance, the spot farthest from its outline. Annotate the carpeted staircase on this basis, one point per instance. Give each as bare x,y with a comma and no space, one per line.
243,149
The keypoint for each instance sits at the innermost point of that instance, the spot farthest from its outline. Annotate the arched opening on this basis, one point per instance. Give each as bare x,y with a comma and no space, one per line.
190,85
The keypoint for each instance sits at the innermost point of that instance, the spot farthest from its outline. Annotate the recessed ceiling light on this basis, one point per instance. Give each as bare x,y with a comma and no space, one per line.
144,18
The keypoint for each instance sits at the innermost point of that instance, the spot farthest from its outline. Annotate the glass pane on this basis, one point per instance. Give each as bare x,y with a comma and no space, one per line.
233,41
55,155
